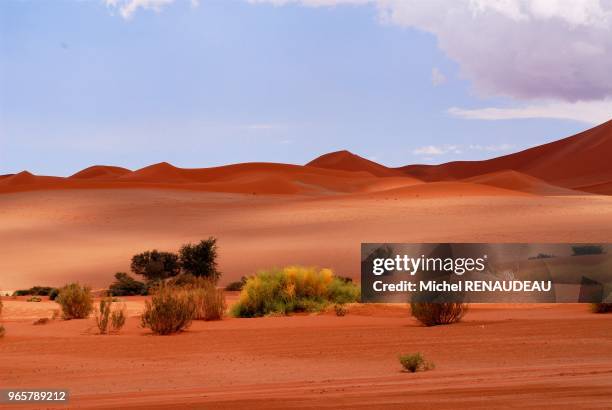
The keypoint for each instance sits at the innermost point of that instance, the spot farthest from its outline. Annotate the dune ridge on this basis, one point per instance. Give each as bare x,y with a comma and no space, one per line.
575,165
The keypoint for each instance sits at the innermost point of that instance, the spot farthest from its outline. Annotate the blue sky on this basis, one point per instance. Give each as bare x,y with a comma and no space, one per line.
218,82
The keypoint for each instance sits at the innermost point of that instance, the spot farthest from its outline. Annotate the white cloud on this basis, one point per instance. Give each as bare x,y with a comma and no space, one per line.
127,8
591,112
437,77
525,49
429,151
437,150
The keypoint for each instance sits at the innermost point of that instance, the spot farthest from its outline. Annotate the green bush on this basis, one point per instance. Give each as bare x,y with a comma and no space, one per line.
587,250
601,307
125,285
35,291
170,310
118,318
76,301
292,289
200,259
432,314
155,265
415,362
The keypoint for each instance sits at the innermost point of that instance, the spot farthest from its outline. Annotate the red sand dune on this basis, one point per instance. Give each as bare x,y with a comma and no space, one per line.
516,181
580,161
101,172
347,161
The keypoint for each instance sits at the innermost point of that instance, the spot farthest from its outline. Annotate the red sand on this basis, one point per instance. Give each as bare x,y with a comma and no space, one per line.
536,356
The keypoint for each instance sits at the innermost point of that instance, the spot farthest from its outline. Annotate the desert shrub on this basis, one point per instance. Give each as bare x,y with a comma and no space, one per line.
34,299
34,291
292,289
125,285
415,362
237,285
155,265
200,259
103,315
118,318
209,301
76,301
587,250
340,309
601,307
170,310
109,319
432,314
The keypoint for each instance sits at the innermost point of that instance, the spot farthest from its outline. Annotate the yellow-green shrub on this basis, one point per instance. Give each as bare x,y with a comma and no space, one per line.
292,289
170,310
76,301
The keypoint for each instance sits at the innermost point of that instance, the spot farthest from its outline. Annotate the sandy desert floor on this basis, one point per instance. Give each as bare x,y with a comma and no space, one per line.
528,356
52,237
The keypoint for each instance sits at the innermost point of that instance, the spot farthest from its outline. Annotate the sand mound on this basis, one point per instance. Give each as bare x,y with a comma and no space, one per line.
347,161
385,184
100,172
162,172
577,161
517,181
445,189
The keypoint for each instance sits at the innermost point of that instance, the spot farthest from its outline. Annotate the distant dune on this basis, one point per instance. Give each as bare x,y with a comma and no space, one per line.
101,172
574,165
578,162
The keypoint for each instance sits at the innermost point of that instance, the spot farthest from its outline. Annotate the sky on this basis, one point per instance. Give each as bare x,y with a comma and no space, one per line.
212,82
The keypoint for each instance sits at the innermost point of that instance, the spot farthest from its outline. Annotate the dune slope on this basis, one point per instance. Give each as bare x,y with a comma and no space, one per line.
577,162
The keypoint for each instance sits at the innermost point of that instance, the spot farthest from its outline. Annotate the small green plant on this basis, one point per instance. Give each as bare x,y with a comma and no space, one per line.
76,301
103,315
340,309
415,362
292,289
34,299
433,314
170,310
118,318
109,319
601,307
